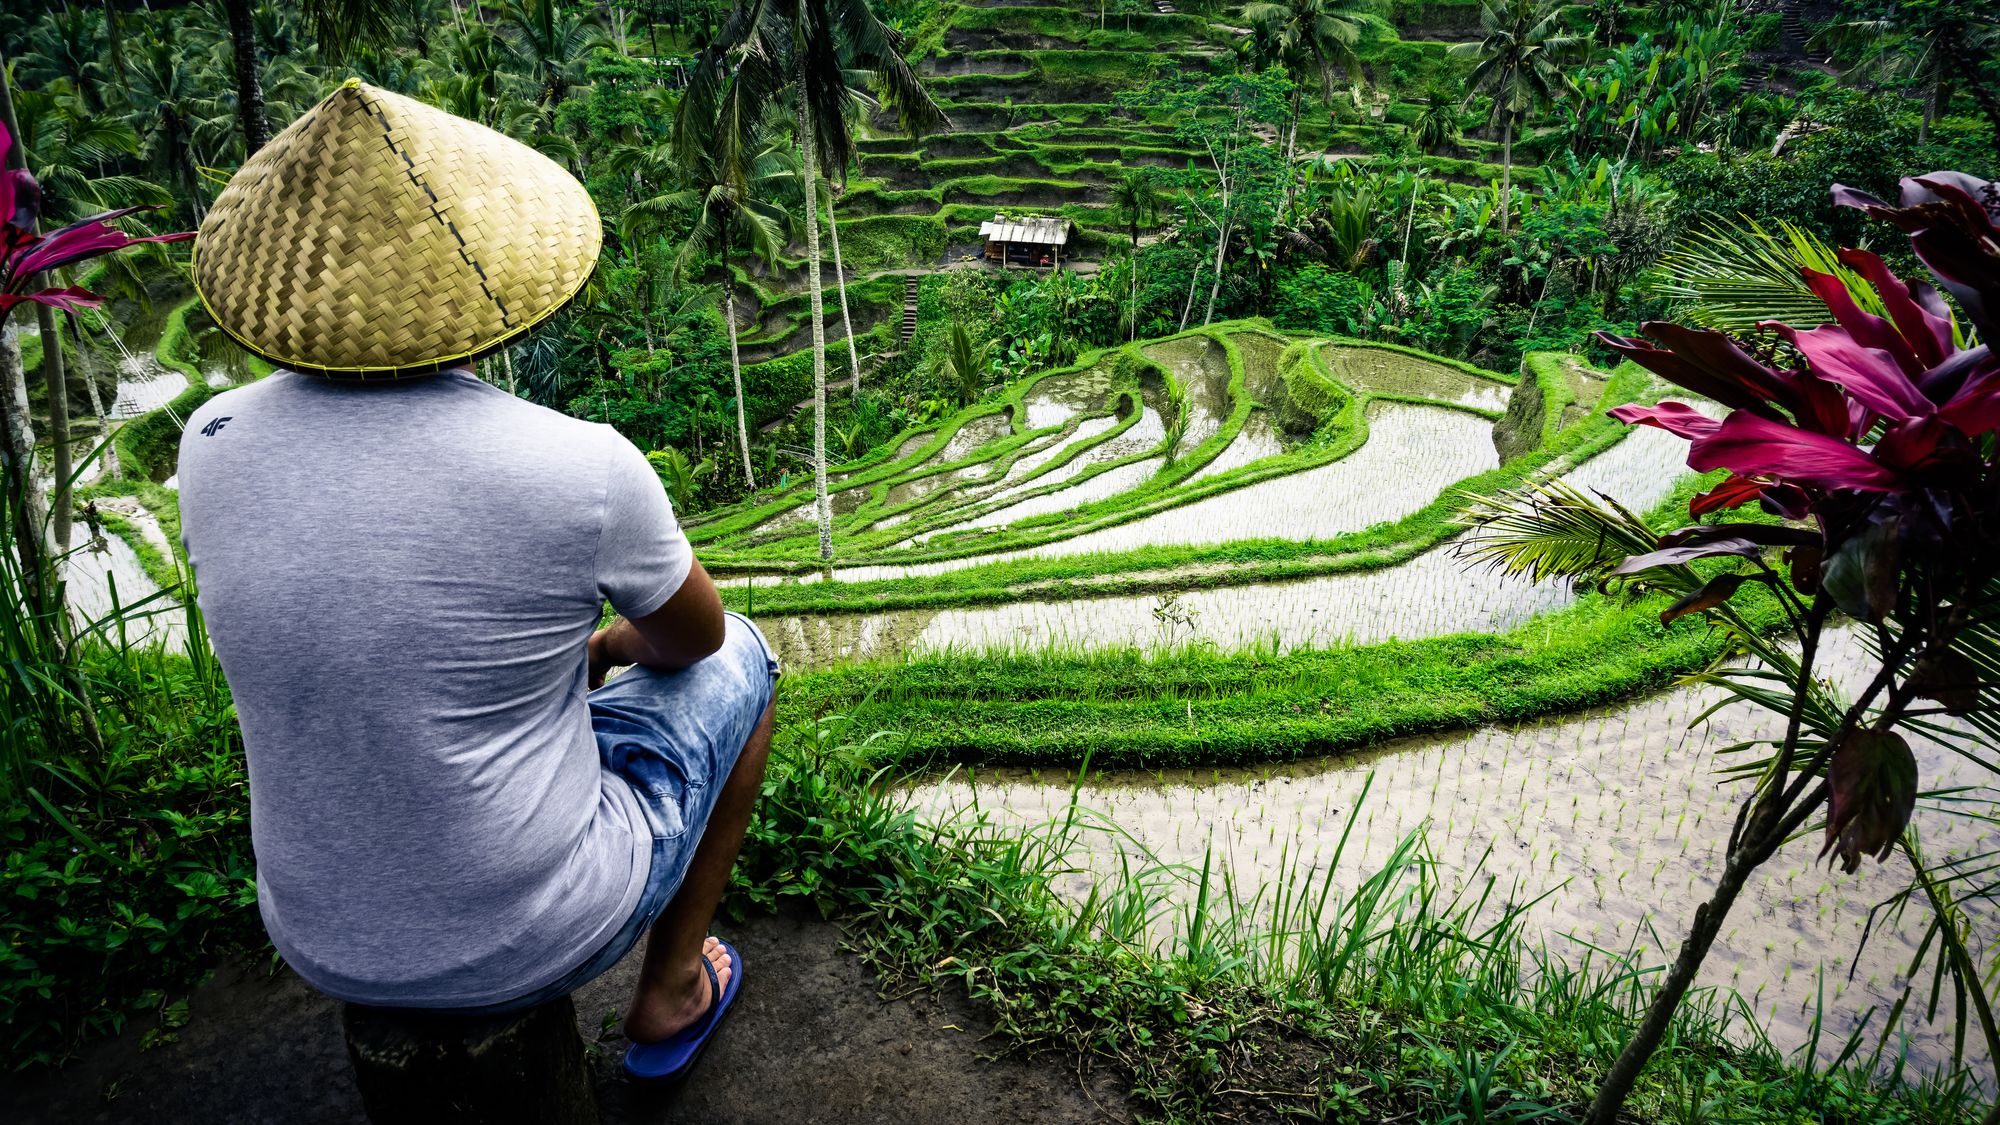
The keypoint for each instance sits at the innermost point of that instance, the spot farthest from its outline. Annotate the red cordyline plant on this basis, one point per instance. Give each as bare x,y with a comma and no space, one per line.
1863,480
28,260
27,257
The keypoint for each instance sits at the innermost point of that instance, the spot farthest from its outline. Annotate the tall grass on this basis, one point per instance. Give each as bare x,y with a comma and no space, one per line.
123,810
1399,1000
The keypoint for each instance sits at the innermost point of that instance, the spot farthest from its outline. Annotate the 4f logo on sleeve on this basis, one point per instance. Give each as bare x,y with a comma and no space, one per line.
214,427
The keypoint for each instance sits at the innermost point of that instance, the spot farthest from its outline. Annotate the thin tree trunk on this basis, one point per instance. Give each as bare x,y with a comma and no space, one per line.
1221,237
821,508
1132,333
1409,230
840,281
1221,247
1708,918
61,454
17,444
1506,173
736,371
249,83
1291,153
1933,99
97,408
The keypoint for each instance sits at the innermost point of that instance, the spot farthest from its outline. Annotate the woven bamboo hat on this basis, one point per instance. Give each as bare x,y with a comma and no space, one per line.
379,237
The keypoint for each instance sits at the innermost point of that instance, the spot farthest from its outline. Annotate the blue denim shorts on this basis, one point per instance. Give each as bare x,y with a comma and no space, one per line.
674,737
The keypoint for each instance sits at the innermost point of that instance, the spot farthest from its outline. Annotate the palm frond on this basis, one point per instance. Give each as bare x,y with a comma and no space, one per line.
1738,274
1549,529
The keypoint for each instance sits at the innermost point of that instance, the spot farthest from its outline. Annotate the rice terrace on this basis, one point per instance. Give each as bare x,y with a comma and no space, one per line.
1326,560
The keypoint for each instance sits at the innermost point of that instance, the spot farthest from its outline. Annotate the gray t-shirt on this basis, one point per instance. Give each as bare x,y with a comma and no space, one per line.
399,580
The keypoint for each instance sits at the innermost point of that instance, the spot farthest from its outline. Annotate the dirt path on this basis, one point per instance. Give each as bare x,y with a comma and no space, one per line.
810,1042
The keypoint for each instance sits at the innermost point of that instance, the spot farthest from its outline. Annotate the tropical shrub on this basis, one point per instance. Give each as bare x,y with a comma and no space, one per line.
1317,298
1873,438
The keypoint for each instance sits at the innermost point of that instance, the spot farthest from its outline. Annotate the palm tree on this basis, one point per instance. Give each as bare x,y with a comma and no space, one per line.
1520,65
463,78
66,145
772,50
338,26
172,114
1306,35
64,46
1437,126
1136,199
551,40
726,200
1933,44
963,364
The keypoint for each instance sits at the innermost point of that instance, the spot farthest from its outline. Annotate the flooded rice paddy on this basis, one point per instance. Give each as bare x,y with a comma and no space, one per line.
1430,595
1385,372
1619,813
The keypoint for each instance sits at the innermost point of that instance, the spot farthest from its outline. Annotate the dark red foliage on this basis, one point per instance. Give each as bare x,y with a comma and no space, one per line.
24,255
1877,432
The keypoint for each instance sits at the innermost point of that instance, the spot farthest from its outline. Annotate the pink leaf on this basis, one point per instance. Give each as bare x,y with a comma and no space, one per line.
1871,375
1750,445
73,244
1919,313
1676,418
1975,409
1865,328
1732,493
72,299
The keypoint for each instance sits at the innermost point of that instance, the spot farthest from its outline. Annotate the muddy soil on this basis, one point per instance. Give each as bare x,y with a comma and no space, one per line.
960,39
810,1041
896,173
950,146
975,64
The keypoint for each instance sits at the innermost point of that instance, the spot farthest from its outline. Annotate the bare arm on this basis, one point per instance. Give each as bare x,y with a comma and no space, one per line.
679,633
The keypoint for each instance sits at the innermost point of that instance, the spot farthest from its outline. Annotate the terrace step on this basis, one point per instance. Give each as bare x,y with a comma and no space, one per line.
909,310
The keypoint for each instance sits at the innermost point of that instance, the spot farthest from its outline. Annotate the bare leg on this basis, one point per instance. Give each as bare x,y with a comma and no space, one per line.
673,990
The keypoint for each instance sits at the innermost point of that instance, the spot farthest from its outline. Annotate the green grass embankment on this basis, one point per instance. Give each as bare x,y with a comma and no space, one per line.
1200,706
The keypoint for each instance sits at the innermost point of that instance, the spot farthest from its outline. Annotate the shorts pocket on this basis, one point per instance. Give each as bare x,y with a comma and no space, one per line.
662,785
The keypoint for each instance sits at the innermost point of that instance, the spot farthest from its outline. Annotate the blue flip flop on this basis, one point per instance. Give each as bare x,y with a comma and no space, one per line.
670,1059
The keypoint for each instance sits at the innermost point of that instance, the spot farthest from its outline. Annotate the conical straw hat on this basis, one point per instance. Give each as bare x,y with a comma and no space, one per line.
378,237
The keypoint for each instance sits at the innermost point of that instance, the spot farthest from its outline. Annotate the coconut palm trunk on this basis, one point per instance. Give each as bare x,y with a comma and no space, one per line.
97,408
1132,332
249,83
736,366
1506,173
840,282
1291,151
18,436
60,454
822,510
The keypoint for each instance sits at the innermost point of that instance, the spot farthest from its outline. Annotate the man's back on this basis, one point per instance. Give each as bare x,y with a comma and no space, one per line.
399,581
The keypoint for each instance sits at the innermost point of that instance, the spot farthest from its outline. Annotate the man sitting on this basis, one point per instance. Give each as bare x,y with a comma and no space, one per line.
404,569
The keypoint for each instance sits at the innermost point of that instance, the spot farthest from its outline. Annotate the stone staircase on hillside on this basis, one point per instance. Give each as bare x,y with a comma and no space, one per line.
1791,28
909,311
